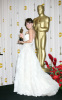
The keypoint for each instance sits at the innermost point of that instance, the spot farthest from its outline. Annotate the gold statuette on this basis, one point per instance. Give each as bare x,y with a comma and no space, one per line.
21,34
41,26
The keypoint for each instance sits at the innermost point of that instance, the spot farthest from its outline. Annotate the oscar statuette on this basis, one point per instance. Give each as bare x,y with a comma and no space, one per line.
21,34
20,38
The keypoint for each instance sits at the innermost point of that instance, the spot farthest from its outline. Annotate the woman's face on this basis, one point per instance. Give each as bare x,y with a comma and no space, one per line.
29,25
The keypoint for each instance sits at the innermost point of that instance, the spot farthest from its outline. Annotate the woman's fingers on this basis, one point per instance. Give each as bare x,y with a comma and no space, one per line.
21,35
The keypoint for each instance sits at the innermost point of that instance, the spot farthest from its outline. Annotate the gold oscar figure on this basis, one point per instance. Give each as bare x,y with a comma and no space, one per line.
21,33
41,26
20,36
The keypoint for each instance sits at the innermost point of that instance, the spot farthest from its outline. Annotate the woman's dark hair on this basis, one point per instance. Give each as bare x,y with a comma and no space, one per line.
28,20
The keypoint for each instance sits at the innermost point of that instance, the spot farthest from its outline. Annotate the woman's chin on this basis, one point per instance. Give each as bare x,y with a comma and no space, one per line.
29,28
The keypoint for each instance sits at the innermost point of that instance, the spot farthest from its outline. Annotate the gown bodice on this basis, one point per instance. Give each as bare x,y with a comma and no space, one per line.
26,37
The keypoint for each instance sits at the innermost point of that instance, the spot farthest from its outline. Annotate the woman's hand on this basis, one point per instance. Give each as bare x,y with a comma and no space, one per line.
21,35
20,42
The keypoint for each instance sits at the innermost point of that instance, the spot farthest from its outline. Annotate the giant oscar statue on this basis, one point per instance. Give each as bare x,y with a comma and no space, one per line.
41,26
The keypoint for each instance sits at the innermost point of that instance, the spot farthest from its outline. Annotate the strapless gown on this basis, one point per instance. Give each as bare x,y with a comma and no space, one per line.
30,79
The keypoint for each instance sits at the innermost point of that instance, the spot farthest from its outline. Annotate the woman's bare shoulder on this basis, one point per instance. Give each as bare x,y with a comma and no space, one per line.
31,30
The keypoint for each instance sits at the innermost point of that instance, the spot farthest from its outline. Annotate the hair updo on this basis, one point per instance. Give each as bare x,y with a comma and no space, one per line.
28,20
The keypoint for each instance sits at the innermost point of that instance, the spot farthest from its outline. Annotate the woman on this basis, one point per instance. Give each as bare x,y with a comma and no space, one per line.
30,79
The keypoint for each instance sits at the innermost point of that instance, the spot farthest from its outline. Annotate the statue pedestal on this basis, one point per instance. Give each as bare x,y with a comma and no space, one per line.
46,69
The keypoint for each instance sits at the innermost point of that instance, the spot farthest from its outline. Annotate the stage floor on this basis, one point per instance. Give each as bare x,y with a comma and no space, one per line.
6,93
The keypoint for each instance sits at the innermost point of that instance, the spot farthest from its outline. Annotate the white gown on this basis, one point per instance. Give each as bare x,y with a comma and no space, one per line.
30,79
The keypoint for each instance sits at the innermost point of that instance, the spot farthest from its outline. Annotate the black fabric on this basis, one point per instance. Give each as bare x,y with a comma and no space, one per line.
6,93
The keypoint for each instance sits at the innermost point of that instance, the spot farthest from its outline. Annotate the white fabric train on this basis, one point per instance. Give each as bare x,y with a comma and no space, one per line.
30,79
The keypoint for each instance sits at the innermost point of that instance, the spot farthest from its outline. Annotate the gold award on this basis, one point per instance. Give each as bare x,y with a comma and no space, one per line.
41,26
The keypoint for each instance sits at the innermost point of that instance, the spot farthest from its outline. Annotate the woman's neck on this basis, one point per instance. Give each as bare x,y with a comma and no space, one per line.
31,28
